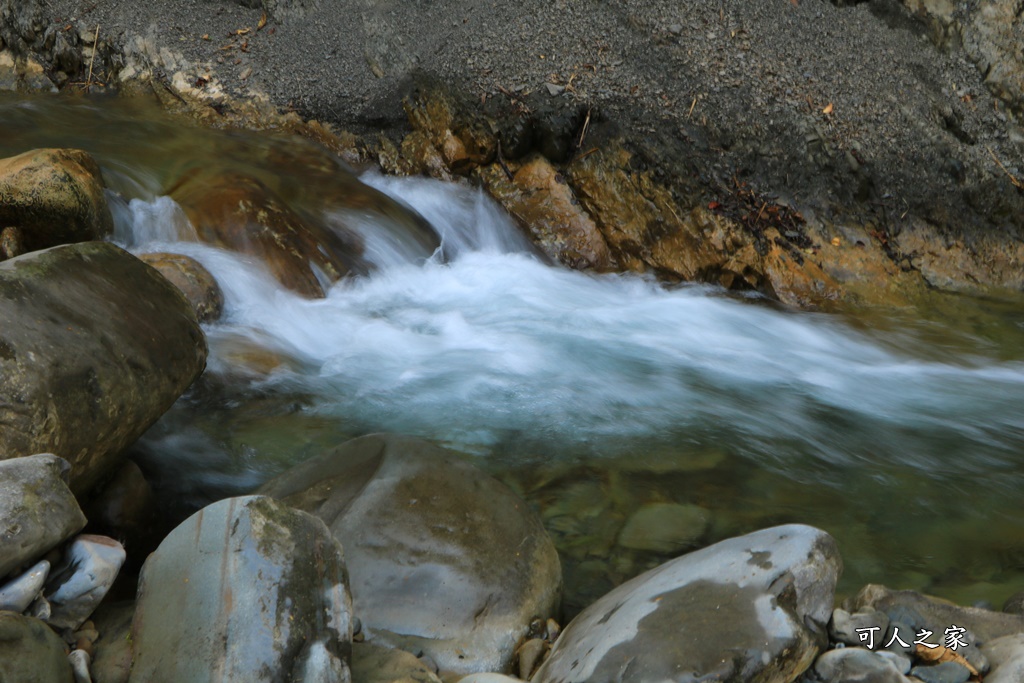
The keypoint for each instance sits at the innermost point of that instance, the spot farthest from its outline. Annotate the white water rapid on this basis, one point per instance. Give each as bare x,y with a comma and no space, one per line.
495,346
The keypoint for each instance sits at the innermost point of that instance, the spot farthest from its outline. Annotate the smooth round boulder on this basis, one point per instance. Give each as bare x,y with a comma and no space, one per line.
54,196
37,509
96,346
193,280
240,213
31,651
246,589
748,608
443,558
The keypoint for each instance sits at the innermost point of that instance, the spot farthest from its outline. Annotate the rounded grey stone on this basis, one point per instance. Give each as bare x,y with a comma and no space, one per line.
748,608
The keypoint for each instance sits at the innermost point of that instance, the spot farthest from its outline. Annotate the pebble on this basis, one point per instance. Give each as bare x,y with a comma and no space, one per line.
18,594
80,661
946,672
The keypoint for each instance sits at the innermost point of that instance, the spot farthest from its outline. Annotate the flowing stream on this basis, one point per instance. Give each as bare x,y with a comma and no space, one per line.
593,396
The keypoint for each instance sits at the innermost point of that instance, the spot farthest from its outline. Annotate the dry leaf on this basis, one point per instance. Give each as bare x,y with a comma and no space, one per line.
827,110
242,31
940,654
263,22
206,36
836,241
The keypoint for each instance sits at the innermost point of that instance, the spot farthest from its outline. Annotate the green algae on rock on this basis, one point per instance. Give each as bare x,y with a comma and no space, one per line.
97,346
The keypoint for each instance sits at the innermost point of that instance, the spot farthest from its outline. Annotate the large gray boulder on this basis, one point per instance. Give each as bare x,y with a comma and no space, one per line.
37,509
31,651
443,558
748,608
245,590
95,347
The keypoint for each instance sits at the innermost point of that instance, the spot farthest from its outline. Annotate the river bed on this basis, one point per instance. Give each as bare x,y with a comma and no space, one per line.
594,396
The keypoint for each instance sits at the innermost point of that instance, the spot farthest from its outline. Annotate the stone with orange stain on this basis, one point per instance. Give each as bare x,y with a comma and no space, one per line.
238,212
54,196
544,205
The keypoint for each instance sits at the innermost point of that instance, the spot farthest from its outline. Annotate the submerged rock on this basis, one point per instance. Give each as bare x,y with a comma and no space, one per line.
244,590
194,281
31,651
240,213
97,347
37,509
664,527
443,559
748,608
54,196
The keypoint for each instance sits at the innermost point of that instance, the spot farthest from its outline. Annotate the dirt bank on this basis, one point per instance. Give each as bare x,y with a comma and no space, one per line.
849,112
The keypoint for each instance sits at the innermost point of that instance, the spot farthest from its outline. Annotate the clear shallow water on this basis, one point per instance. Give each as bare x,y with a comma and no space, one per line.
592,395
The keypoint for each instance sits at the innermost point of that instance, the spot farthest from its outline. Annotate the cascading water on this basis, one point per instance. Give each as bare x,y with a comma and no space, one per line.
593,394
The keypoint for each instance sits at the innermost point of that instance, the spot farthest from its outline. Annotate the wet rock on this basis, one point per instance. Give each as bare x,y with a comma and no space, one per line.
78,584
54,196
1014,604
544,205
967,263
36,507
846,628
489,678
240,213
944,672
244,590
100,347
80,661
921,611
900,660
530,655
31,651
193,280
376,664
664,527
112,656
750,608
463,144
125,508
17,594
856,664
646,229
443,559
11,243
1006,655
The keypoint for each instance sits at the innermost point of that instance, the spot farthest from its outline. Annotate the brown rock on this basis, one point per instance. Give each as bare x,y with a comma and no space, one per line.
544,205
194,281
55,196
125,508
464,145
11,243
240,213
